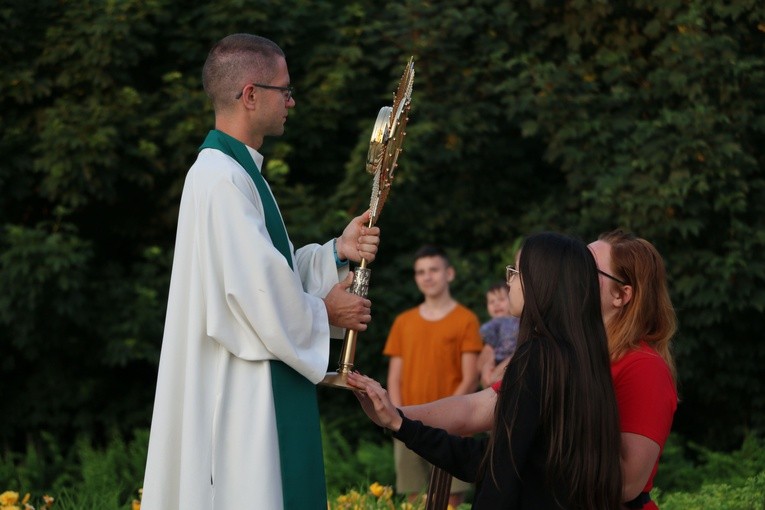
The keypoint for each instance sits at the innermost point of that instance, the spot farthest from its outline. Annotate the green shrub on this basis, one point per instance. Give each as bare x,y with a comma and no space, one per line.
686,467
83,476
116,473
749,495
39,467
109,478
347,467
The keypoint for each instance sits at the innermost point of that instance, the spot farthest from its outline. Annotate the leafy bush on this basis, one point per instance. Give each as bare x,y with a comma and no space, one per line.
348,468
749,495
573,116
83,477
358,476
688,467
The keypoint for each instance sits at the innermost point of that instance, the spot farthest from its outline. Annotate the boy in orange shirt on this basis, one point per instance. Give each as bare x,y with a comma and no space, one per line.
433,349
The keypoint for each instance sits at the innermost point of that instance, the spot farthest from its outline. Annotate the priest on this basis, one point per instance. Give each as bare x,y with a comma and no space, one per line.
249,318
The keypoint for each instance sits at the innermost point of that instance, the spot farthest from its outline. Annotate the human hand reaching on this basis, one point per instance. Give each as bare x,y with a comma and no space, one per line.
375,401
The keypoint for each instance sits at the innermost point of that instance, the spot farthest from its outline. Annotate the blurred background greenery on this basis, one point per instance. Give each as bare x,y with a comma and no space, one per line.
577,116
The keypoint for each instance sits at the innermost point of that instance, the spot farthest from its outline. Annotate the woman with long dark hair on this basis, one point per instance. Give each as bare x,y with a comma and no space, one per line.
555,439
640,323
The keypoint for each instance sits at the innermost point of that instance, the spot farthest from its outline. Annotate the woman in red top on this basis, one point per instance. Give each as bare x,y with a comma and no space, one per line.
640,322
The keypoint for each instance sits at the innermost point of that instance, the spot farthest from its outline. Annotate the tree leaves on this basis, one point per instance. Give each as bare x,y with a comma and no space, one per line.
579,116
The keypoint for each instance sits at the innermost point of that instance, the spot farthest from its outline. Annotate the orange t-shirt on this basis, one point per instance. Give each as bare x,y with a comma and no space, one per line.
431,352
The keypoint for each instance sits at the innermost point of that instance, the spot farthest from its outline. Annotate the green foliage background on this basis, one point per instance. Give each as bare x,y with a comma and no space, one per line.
577,116
108,477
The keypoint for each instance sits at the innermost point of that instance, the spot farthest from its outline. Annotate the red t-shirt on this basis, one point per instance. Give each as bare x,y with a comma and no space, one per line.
646,397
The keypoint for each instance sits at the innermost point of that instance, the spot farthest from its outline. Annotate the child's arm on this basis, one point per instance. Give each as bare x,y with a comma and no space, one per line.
499,370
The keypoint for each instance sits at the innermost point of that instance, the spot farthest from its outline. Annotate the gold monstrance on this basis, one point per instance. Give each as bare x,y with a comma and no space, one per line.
385,146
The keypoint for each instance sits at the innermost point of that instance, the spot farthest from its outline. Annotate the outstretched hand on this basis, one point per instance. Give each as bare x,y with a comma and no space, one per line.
359,241
375,401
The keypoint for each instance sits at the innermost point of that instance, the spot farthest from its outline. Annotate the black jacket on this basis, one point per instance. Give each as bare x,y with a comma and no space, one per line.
523,488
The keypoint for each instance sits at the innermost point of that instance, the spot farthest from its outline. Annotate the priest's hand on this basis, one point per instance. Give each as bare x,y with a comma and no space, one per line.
375,401
359,241
347,310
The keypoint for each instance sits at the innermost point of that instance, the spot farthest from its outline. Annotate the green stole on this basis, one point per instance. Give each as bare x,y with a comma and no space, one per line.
295,402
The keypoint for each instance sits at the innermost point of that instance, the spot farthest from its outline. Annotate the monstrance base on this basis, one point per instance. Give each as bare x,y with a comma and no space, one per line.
336,380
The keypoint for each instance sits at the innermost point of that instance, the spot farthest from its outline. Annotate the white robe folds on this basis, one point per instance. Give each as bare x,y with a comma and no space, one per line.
234,304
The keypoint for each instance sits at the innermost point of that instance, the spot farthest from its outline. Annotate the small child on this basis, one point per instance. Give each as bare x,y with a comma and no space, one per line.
499,334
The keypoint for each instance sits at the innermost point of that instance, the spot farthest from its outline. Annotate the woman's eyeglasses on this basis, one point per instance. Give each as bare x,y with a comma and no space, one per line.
614,278
510,273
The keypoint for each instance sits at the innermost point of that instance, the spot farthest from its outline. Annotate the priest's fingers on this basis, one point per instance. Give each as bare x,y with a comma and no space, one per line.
348,281
367,244
358,241
346,310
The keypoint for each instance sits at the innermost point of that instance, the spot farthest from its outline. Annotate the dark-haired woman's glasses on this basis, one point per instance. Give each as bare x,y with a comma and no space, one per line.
510,273
614,278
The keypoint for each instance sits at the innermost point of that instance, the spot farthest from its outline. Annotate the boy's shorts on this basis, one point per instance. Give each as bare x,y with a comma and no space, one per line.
413,472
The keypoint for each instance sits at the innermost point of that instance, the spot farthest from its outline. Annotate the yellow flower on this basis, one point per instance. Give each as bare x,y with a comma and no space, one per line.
48,500
376,489
136,504
9,498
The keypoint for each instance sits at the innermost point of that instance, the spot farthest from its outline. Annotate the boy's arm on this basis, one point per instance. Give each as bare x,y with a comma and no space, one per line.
394,380
469,381
486,364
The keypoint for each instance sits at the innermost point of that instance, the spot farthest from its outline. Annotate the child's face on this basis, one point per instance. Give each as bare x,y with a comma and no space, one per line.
498,303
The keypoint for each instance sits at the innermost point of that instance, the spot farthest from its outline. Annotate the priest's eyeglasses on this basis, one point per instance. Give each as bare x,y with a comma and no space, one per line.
612,277
286,91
